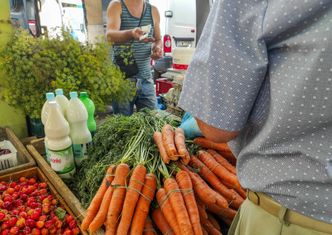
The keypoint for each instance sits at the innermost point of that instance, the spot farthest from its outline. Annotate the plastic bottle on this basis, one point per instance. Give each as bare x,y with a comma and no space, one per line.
62,101
77,117
58,142
44,113
90,107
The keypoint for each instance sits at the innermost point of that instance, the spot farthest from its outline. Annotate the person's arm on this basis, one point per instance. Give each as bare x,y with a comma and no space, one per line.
157,44
113,32
216,134
227,69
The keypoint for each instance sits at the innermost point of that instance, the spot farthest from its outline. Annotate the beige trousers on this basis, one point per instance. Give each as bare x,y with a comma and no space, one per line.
253,220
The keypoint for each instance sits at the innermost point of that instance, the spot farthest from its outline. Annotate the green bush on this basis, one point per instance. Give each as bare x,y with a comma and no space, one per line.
34,66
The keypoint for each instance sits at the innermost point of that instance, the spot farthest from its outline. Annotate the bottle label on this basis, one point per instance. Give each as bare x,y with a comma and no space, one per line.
80,152
62,161
47,155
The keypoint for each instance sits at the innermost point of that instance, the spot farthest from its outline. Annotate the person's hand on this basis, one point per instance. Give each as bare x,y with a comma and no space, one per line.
157,53
137,33
190,127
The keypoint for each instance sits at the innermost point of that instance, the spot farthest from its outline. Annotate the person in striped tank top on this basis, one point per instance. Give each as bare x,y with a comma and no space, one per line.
123,19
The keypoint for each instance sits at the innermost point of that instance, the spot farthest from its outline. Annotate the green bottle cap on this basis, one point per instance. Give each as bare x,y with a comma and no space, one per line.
84,94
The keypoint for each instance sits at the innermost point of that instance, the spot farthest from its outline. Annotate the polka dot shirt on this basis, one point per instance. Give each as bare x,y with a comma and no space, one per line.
264,67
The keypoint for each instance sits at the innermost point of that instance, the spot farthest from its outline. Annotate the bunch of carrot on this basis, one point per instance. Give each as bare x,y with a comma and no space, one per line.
120,206
171,144
143,195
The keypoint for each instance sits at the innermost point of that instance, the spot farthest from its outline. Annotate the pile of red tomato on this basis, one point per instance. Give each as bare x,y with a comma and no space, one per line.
27,207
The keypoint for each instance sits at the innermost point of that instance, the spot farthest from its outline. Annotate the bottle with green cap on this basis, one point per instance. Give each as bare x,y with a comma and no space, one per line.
77,117
62,101
90,107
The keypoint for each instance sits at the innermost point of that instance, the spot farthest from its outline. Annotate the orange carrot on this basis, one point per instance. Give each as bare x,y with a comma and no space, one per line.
168,135
202,210
240,191
161,222
207,195
232,197
158,139
143,204
133,193
213,221
119,194
204,231
208,144
184,182
222,161
229,156
178,205
222,212
168,212
99,219
181,145
210,228
97,199
148,227
219,170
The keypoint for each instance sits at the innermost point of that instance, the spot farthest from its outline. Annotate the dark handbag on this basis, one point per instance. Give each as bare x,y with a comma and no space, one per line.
125,60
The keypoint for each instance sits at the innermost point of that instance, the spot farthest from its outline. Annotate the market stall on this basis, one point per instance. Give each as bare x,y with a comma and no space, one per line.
135,145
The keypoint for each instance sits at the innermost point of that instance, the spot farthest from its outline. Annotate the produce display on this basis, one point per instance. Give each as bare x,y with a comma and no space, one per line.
28,207
152,172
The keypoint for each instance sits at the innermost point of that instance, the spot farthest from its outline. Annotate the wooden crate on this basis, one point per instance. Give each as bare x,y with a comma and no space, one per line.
37,150
24,158
70,199
36,172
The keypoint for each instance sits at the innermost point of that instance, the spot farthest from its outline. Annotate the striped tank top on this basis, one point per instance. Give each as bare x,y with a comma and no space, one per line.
141,50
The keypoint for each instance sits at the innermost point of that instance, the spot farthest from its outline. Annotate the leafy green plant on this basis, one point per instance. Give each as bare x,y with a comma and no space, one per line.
34,66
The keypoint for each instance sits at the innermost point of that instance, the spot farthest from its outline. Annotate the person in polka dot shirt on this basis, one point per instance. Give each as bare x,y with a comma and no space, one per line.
261,79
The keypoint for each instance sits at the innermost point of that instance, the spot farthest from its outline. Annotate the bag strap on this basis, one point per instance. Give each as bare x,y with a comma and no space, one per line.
143,13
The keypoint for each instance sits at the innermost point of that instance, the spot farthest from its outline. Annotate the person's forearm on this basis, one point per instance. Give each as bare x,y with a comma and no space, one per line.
157,43
118,36
215,134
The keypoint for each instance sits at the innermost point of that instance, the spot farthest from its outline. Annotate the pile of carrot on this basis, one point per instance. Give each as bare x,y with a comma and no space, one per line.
171,144
188,197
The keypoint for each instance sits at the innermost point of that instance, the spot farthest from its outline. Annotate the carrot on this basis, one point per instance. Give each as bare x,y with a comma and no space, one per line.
143,204
219,170
230,195
168,135
99,219
227,221
206,194
204,231
148,227
202,210
213,221
168,212
97,199
222,212
178,205
133,193
116,203
210,228
240,191
161,222
209,144
222,161
184,182
158,139
181,145
229,156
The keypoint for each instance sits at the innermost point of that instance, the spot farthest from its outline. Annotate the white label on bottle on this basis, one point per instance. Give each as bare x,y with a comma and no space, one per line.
62,161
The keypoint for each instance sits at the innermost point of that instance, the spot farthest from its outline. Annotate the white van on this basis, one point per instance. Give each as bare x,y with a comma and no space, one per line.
182,22
180,25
